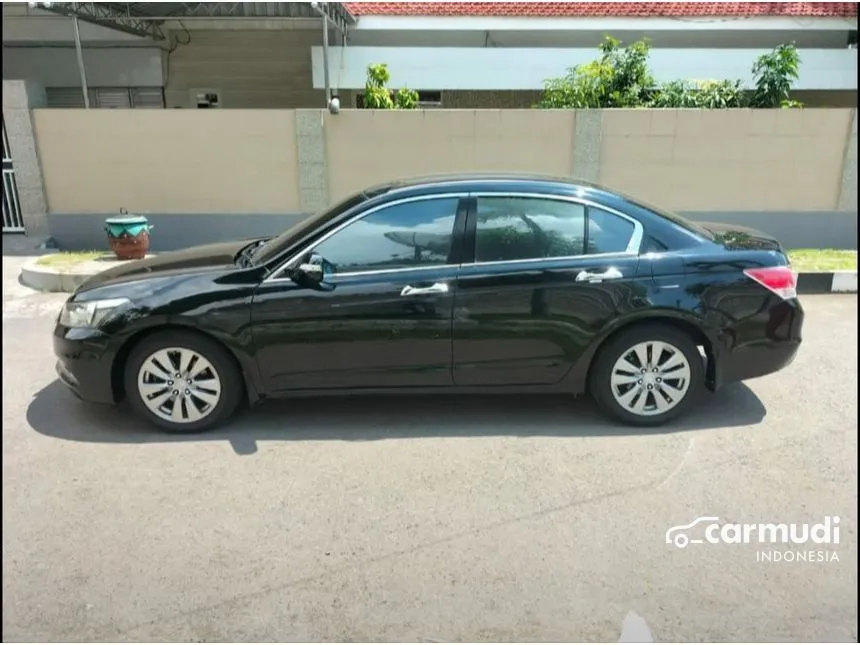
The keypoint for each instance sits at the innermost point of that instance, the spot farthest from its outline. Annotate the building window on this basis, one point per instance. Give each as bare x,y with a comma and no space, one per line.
205,99
106,97
427,99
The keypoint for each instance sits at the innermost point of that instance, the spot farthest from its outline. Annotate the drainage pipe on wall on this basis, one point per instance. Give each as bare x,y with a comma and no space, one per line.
325,52
81,67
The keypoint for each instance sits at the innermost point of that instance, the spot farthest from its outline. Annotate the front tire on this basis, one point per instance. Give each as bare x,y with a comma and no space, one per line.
648,375
182,382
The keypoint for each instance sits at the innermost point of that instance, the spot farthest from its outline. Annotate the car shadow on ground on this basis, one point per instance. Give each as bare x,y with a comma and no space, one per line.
55,412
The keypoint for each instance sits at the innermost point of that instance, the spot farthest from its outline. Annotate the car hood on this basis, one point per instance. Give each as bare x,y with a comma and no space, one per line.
172,262
732,236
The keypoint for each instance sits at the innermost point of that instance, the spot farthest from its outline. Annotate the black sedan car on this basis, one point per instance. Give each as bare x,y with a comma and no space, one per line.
467,284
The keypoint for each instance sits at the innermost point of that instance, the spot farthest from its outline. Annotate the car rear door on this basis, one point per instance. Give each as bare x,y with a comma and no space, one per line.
386,322
542,277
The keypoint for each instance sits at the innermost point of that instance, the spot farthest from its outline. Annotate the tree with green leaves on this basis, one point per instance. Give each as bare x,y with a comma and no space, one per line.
622,78
774,74
377,96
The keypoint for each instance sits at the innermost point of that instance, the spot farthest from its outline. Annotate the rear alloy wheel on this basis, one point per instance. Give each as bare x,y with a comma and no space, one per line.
182,382
648,375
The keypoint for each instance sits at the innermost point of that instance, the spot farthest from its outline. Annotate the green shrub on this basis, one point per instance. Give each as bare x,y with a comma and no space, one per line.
709,95
621,78
377,96
774,74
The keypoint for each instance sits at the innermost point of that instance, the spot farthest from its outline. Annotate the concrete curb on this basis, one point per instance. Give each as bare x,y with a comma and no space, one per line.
46,278
43,278
54,279
827,282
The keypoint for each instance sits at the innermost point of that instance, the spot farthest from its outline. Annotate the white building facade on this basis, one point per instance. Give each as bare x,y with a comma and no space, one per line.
458,55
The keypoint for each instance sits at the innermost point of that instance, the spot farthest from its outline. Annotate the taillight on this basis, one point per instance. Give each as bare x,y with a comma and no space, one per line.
780,280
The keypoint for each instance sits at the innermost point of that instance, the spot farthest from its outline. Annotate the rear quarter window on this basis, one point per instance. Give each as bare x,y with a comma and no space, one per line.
653,245
680,221
607,232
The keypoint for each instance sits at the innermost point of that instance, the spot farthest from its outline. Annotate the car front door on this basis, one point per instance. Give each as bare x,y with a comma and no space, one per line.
542,276
386,320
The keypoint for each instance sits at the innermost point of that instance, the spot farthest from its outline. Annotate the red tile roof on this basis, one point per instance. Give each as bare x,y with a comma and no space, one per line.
606,9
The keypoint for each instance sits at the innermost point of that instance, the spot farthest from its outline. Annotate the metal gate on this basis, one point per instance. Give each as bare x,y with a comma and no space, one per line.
13,222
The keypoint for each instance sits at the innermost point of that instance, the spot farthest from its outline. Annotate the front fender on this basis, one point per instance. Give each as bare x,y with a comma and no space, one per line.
238,350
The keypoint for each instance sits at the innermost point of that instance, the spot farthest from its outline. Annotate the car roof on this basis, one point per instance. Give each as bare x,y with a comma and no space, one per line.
518,178
503,182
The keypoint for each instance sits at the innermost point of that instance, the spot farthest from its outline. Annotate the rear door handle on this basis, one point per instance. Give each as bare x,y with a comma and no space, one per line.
588,276
438,287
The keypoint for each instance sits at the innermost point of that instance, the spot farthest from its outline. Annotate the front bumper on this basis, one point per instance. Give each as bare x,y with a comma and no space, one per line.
85,360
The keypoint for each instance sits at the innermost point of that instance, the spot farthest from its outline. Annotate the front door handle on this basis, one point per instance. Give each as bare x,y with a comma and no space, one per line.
438,287
610,274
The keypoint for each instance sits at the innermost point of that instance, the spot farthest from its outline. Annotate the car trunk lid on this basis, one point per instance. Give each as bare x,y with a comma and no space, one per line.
741,238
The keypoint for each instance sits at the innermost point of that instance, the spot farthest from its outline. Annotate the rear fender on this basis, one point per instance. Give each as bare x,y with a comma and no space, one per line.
701,334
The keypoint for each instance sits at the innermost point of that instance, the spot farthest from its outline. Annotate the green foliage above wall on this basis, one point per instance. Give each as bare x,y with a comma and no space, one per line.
377,96
774,75
621,78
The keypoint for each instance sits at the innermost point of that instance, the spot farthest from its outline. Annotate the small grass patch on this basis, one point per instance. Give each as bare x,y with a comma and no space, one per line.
69,258
812,260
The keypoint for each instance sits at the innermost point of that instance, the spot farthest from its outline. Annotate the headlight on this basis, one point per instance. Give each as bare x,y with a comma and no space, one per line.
90,314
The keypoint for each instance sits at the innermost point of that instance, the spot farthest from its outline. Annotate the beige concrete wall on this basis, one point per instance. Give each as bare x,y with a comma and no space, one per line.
727,160
247,161
366,147
174,161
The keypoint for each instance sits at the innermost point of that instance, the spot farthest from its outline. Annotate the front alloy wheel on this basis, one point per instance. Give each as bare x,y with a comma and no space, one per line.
179,385
182,381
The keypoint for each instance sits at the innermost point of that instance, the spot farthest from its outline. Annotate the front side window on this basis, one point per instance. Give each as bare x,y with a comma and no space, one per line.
405,235
524,228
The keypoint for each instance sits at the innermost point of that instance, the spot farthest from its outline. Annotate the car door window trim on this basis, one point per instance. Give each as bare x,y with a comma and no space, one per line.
430,267
276,275
633,245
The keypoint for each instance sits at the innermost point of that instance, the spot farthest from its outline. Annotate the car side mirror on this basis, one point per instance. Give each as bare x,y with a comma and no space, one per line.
312,273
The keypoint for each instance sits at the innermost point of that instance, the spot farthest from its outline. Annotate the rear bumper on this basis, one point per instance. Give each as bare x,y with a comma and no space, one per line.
753,361
84,362
758,354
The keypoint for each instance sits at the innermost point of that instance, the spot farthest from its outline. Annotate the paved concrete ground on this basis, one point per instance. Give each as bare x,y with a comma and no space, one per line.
428,520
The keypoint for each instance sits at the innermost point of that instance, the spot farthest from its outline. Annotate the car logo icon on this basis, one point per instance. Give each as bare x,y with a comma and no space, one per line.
677,535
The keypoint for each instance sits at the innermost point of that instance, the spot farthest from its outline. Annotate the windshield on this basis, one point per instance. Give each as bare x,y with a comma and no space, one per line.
277,244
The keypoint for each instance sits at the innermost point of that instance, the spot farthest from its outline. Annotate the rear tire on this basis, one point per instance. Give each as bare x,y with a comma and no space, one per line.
182,382
648,375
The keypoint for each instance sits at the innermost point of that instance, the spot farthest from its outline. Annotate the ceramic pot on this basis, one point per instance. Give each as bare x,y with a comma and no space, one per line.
128,236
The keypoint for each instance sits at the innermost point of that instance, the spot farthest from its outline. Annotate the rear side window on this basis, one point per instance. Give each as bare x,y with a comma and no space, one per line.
607,232
526,228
